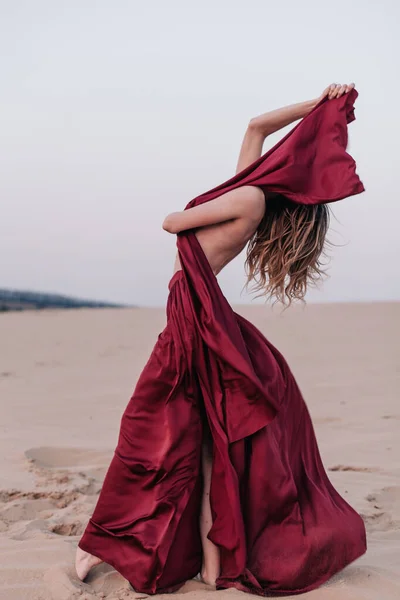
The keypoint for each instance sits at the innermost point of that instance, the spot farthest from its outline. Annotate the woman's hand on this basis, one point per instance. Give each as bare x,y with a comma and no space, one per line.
335,90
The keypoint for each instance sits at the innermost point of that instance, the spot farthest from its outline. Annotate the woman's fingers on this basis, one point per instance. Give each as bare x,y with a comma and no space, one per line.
332,88
325,92
335,90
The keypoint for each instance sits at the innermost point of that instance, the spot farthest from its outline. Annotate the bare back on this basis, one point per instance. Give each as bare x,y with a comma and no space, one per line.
222,242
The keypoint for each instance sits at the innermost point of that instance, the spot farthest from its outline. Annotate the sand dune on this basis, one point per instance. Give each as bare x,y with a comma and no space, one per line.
65,378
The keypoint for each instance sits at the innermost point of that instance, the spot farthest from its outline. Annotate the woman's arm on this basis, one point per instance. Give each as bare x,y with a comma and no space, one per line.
245,201
262,126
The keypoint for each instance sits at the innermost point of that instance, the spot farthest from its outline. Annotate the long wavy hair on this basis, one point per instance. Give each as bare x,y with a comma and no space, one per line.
285,255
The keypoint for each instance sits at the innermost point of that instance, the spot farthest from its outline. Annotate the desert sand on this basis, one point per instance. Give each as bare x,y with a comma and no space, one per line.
66,376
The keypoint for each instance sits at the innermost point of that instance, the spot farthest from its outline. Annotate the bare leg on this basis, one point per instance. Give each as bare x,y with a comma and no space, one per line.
84,562
211,559
210,570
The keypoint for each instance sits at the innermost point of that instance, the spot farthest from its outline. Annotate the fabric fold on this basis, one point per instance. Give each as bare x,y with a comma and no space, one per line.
310,165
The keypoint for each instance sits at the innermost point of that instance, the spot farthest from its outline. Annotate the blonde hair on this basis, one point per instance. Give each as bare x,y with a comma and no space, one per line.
284,254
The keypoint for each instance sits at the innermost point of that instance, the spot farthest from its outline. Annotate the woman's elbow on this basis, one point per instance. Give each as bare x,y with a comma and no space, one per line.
169,224
258,128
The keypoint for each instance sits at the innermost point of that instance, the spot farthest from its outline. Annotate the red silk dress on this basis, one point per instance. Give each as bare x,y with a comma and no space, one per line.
280,525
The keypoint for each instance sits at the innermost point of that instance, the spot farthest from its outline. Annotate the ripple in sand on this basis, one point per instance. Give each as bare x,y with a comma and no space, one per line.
67,529
355,469
51,457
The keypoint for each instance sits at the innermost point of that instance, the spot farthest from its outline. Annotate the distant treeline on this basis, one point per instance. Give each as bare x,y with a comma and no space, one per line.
21,300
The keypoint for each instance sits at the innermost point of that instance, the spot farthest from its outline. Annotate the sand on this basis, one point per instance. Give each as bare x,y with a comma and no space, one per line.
66,376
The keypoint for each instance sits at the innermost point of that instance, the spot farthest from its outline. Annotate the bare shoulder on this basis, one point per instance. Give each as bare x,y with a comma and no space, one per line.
253,202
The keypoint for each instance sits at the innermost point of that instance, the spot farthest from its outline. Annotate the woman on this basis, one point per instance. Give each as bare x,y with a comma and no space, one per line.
217,468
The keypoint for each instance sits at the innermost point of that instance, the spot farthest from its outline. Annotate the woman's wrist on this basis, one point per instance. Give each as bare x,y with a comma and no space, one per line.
309,105
270,122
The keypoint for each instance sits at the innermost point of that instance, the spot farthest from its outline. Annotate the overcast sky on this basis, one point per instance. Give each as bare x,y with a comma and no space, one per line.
114,113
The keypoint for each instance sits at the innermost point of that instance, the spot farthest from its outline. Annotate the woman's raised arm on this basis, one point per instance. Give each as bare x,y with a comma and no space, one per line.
262,126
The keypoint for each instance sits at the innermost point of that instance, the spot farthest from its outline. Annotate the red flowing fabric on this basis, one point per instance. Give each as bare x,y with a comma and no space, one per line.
280,525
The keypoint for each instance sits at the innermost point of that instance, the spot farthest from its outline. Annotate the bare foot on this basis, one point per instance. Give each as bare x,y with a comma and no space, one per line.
84,562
